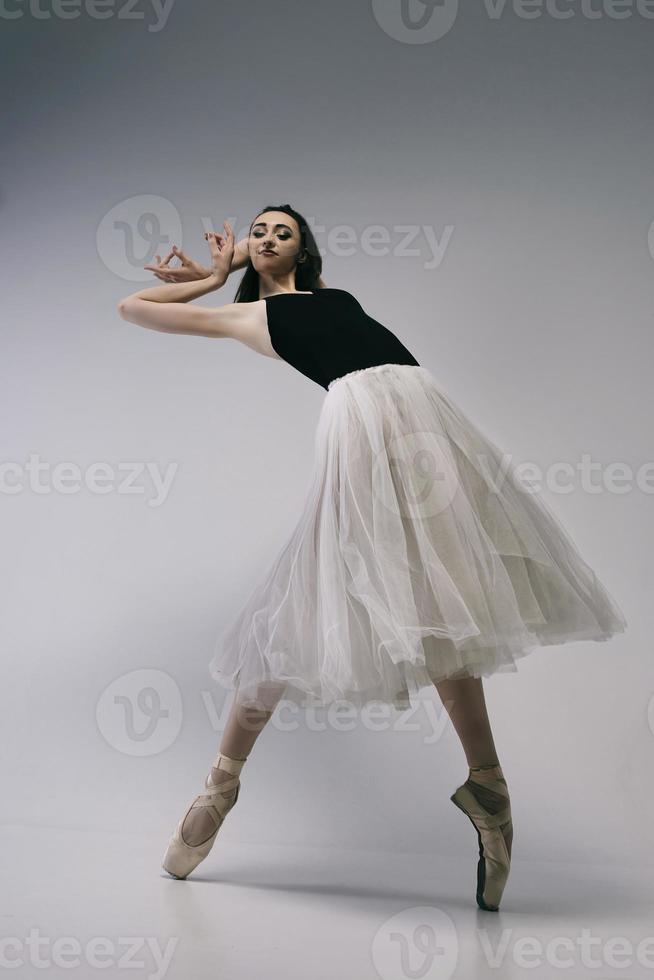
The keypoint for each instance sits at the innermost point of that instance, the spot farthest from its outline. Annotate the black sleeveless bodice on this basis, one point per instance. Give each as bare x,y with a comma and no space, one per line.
326,333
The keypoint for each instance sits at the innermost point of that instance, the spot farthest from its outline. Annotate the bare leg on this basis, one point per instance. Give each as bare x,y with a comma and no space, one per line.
244,725
465,703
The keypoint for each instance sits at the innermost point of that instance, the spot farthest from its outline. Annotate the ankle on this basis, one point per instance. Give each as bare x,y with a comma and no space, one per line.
220,775
486,774
226,767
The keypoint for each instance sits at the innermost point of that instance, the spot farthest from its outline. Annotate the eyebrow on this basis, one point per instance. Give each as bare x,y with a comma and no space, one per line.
278,225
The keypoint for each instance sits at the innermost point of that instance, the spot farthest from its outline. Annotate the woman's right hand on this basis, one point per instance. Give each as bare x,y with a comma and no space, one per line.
188,271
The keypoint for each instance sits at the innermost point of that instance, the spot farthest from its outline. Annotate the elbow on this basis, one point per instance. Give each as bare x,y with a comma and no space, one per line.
139,311
125,309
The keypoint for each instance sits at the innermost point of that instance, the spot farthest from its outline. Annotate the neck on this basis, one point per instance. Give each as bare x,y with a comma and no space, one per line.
276,284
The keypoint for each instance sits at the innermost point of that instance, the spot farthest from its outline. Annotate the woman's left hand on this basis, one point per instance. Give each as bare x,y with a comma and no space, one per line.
222,252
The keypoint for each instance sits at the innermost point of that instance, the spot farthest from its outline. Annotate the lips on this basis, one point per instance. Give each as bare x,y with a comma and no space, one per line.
268,251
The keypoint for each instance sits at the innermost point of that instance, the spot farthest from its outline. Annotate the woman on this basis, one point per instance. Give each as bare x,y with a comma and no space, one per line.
413,563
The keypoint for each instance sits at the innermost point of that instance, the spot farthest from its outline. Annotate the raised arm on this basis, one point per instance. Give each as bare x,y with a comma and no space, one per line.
167,308
241,255
235,320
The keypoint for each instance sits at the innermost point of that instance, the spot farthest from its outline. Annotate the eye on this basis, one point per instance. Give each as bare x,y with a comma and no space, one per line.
283,236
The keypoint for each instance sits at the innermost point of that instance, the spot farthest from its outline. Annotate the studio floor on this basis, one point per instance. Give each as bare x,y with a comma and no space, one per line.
82,903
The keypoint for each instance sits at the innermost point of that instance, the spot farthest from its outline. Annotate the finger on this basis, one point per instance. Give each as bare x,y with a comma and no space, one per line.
212,240
157,268
216,237
181,255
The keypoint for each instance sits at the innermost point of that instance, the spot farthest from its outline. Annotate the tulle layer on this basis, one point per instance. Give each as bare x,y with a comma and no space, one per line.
419,555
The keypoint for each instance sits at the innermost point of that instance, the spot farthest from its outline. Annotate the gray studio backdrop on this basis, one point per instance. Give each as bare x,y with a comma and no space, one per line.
481,183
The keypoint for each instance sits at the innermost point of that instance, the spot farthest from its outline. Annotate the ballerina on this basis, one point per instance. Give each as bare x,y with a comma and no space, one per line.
409,565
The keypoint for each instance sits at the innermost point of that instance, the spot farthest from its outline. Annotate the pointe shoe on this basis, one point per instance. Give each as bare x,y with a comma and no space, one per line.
494,859
181,858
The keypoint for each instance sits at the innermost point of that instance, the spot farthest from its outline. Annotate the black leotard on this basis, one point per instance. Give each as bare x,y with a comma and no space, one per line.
326,333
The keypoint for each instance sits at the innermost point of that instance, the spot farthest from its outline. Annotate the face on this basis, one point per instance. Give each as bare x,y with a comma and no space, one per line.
274,242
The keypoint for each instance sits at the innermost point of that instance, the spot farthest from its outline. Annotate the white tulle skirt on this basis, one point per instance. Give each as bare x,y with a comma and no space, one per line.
419,555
